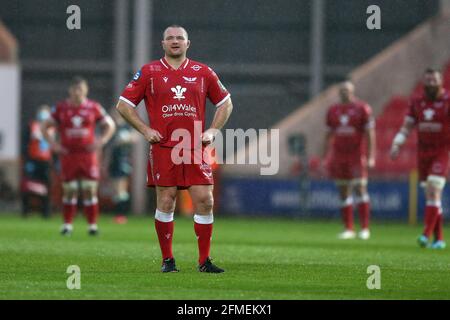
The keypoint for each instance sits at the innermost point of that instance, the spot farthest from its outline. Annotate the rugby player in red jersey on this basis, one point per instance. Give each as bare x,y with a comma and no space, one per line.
175,89
430,114
75,120
349,122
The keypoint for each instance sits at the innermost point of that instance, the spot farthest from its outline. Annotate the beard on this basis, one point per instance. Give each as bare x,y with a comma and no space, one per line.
432,92
345,97
174,56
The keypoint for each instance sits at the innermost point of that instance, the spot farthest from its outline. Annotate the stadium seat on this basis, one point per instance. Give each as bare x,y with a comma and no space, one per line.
418,89
388,123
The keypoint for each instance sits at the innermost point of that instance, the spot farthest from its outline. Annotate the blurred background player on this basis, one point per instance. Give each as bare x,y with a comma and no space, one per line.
75,120
348,123
430,113
36,164
120,166
173,81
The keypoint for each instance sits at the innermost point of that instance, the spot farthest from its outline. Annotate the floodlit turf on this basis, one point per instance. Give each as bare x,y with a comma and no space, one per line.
264,259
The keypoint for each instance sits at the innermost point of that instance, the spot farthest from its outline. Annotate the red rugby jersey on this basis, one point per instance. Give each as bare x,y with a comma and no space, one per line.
76,124
175,98
348,124
432,119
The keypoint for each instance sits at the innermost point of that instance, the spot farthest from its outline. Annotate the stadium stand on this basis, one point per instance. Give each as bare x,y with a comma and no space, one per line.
248,73
386,81
387,125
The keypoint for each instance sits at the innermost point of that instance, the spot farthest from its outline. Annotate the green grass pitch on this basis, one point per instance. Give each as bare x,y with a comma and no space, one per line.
263,258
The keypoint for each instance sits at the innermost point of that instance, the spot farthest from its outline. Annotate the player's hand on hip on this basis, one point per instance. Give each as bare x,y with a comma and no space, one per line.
152,135
208,136
395,150
58,148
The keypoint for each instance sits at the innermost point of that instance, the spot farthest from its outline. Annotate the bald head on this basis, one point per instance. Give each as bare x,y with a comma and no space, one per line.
347,91
169,29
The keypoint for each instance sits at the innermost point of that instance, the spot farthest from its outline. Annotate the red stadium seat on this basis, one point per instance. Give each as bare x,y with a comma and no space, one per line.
418,89
388,123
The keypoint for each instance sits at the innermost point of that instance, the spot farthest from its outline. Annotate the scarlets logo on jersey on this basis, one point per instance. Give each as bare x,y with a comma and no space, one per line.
190,80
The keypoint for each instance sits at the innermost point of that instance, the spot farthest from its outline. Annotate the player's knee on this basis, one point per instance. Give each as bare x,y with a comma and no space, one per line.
70,189
433,194
361,192
363,198
205,203
89,187
166,203
435,184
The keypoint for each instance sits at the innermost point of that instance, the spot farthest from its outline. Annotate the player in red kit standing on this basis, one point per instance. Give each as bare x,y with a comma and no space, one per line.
75,120
349,122
430,114
175,89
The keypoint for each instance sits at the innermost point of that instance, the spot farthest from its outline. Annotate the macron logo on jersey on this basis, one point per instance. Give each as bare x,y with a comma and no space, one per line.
178,90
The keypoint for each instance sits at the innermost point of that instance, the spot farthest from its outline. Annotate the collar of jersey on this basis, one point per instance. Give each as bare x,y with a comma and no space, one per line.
168,66
71,105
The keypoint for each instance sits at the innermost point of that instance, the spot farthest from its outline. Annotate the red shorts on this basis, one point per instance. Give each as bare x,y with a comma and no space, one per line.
436,165
348,169
79,166
162,171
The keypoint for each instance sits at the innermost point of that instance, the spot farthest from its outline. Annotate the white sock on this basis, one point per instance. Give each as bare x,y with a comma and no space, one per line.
163,217
204,219
93,226
68,226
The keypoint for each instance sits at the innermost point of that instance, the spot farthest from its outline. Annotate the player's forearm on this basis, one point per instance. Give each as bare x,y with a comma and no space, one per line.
402,135
109,127
222,115
371,143
132,117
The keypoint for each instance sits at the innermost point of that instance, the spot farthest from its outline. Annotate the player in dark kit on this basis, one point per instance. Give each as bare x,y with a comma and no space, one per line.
120,166
75,120
349,122
175,89
430,114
